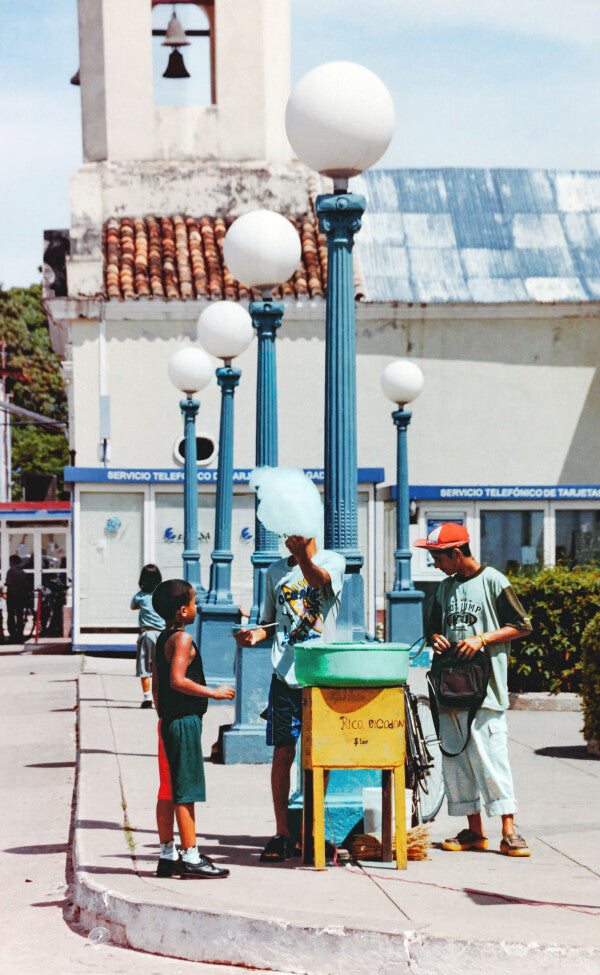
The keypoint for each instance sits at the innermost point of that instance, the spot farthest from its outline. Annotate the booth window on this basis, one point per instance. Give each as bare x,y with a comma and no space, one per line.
513,539
577,536
111,547
168,526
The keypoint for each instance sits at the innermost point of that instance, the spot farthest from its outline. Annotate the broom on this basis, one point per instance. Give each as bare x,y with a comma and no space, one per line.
365,846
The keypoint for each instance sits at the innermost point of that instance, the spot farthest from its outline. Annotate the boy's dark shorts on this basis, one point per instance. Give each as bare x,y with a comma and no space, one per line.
284,718
182,738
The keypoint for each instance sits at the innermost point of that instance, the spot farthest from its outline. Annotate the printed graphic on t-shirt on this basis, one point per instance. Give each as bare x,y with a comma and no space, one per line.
462,614
309,605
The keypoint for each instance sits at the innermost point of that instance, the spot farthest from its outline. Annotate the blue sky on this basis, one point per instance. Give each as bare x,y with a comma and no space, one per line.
475,83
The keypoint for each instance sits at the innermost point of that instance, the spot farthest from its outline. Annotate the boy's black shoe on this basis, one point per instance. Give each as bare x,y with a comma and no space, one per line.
167,868
204,869
146,704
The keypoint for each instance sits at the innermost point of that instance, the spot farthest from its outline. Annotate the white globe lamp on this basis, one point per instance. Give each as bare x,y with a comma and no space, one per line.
402,381
340,119
262,249
225,329
190,370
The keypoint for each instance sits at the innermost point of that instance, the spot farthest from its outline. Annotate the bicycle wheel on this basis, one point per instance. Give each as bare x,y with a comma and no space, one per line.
428,792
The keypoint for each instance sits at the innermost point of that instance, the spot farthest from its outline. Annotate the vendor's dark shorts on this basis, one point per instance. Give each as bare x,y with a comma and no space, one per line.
284,717
182,738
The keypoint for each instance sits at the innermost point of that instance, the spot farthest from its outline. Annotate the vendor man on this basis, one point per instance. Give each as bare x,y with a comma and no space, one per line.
302,598
476,608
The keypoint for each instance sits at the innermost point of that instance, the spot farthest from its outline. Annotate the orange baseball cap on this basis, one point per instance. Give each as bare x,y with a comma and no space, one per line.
448,535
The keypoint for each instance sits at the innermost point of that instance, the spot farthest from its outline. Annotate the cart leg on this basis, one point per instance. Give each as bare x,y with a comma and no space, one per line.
400,802
386,815
307,818
319,818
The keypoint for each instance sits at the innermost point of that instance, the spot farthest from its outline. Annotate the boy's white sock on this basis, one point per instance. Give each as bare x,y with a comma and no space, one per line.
147,695
168,851
190,855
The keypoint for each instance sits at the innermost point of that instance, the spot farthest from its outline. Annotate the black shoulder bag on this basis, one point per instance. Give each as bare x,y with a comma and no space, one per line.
459,684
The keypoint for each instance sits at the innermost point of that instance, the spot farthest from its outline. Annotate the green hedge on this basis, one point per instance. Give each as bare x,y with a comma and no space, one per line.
590,679
561,602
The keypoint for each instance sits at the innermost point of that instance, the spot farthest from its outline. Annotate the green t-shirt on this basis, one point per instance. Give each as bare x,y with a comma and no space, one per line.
465,607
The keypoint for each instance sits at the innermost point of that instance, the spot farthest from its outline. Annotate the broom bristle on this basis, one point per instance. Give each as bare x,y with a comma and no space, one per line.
365,846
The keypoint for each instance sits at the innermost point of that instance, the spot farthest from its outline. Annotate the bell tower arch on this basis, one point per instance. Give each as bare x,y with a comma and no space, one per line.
250,81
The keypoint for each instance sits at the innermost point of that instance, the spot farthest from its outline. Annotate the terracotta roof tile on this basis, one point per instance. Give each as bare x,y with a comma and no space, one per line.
181,257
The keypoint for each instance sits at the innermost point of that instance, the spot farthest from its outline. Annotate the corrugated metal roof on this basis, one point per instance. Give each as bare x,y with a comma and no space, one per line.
480,235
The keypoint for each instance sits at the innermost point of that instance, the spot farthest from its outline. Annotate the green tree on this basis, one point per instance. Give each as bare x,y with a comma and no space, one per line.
24,328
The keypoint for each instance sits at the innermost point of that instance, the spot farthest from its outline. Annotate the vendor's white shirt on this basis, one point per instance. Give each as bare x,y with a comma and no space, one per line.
302,614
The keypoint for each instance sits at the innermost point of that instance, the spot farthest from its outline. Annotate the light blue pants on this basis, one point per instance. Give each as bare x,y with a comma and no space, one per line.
481,773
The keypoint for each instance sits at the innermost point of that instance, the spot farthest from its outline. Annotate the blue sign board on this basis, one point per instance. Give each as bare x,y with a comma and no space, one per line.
119,475
510,492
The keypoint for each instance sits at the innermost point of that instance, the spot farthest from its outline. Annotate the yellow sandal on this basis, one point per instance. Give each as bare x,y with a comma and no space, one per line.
513,845
466,840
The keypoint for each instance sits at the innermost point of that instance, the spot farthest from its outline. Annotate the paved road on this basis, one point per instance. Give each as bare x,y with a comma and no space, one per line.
37,769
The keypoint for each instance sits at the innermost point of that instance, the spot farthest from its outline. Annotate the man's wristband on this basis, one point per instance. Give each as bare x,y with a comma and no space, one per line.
483,640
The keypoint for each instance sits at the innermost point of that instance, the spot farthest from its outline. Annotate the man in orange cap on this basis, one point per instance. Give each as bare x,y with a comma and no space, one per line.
476,608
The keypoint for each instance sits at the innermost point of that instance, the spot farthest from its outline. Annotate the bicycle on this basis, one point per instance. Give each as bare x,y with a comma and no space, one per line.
423,762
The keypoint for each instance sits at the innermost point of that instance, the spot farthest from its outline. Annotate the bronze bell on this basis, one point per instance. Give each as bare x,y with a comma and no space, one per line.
176,68
75,79
175,35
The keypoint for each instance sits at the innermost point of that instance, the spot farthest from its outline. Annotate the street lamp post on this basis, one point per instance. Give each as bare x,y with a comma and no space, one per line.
190,370
402,381
225,330
339,120
261,249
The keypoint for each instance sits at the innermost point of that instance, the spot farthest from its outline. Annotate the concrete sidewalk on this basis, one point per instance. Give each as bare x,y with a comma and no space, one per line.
453,912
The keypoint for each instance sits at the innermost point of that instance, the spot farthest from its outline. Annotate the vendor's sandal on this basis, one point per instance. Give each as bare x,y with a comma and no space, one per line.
514,845
466,840
277,849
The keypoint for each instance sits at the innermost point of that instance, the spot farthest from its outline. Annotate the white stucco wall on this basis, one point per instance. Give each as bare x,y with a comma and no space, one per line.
507,399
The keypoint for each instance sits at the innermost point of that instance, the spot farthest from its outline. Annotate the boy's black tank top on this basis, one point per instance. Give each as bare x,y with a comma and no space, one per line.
172,703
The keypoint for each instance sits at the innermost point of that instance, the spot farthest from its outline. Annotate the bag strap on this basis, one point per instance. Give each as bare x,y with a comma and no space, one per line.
435,714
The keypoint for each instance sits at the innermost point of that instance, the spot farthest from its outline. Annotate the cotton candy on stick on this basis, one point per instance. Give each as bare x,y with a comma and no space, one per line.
289,502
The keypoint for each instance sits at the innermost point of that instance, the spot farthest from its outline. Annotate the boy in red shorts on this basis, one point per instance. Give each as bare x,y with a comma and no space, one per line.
181,695
165,812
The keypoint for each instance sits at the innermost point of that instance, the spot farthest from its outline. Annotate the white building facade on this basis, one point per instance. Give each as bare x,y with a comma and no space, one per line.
487,279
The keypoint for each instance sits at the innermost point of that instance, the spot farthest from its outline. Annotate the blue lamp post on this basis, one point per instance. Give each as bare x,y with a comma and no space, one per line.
190,370
261,249
340,120
402,381
225,330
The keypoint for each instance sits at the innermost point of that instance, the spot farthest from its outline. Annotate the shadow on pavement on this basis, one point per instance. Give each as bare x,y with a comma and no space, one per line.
51,765
37,850
579,752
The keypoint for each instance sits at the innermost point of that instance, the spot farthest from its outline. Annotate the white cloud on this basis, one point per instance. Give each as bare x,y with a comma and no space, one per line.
573,21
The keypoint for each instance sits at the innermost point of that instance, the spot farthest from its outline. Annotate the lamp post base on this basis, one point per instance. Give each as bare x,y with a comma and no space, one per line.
217,647
404,615
343,803
244,742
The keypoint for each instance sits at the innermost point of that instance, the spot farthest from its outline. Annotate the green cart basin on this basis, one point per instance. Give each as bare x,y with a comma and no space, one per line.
352,664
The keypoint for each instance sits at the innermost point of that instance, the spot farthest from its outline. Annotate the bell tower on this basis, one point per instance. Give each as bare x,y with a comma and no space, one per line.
249,51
